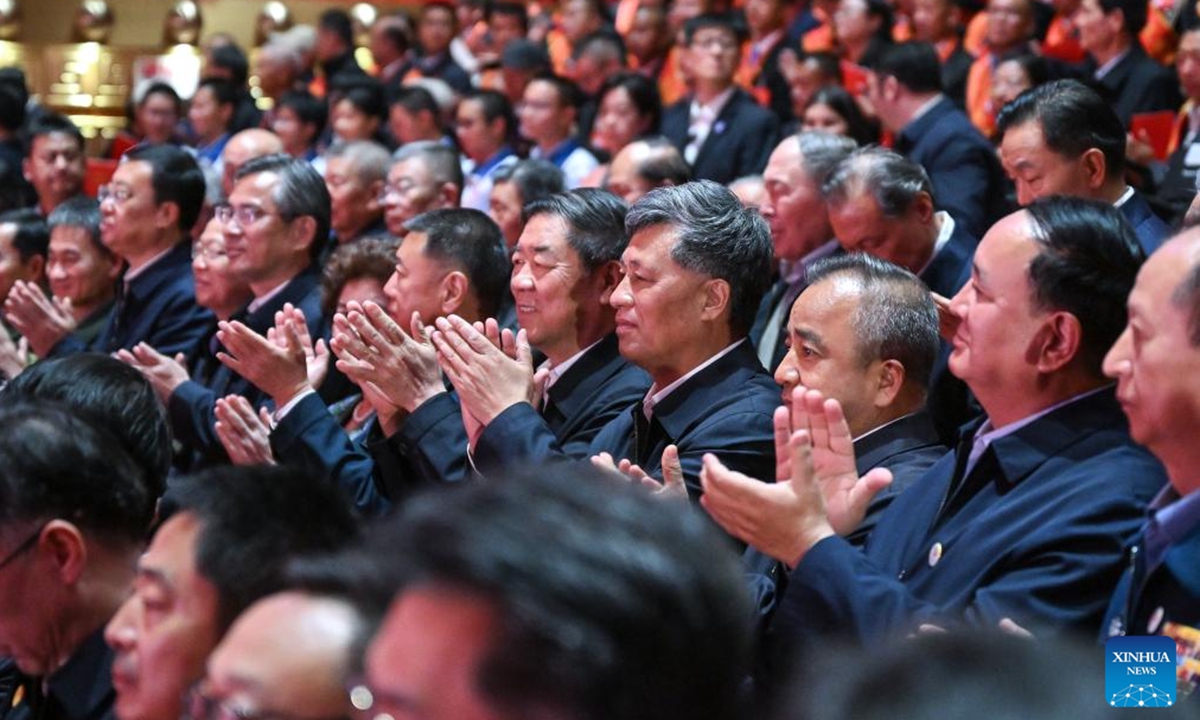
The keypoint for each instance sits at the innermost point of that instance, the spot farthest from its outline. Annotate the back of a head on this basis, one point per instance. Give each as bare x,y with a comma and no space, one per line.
715,236
1073,119
664,164
254,521
595,221
232,61
1088,259
891,179
55,463
895,318
950,676
635,611
113,394
440,160
915,65
470,242
175,177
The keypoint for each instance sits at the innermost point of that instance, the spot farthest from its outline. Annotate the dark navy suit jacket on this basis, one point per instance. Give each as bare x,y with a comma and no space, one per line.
190,407
968,181
1151,231
1036,532
1136,84
1144,602
590,394
725,409
158,308
739,143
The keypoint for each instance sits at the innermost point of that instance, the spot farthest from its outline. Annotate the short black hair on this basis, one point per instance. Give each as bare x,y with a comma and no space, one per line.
715,236
1088,259
838,99
58,463
50,123
299,192
414,99
569,94
721,20
595,221
231,58
223,90
641,90
915,65
308,108
494,104
1073,118
636,611
33,234
1133,11
82,212
364,93
472,243
175,177
115,395
511,9
161,88
338,22
253,521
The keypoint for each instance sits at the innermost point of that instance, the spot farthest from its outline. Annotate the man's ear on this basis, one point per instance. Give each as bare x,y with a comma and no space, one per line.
717,295
610,275
447,196
1057,342
454,289
166,215
889,375
303,233
63,544
1095,167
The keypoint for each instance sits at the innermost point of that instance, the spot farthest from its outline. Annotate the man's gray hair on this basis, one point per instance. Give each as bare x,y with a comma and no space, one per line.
821,152
439,159
895,318
715,236
891,179
369,161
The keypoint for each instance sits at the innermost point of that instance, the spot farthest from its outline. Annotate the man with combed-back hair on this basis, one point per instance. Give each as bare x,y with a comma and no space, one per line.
515,186
1062,138
275,223
565,268
1028,518
645,164
74,513
226,543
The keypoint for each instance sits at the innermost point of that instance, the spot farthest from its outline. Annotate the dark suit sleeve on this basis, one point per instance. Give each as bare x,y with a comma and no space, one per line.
759,140
434,441
744,441
517,435
962,178
180,325
191,410
308,436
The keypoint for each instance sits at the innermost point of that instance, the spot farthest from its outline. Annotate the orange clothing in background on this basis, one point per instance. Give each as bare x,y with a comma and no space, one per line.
979,93
1061,42
975,36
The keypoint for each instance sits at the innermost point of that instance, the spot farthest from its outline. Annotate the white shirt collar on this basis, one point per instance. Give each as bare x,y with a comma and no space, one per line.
654,396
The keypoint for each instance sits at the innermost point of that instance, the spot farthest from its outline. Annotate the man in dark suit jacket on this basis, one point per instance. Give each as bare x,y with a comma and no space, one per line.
882,204
721,131
1062,138
566,265
865,333
1027,519
930,130
1129,80
276,221
450,261
800,229
146,213
1160,590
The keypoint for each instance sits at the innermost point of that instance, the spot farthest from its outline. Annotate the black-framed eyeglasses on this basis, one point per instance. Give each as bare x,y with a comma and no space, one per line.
24,547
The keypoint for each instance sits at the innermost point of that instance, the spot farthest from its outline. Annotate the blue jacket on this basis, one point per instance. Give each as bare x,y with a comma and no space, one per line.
1036,532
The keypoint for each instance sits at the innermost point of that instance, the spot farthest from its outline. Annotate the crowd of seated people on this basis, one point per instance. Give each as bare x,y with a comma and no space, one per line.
610,359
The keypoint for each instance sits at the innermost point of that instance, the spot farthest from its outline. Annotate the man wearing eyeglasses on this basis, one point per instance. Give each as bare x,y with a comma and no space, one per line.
274,224
74,509
146,213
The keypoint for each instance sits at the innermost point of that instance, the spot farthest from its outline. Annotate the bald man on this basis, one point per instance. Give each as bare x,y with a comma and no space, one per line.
244,147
